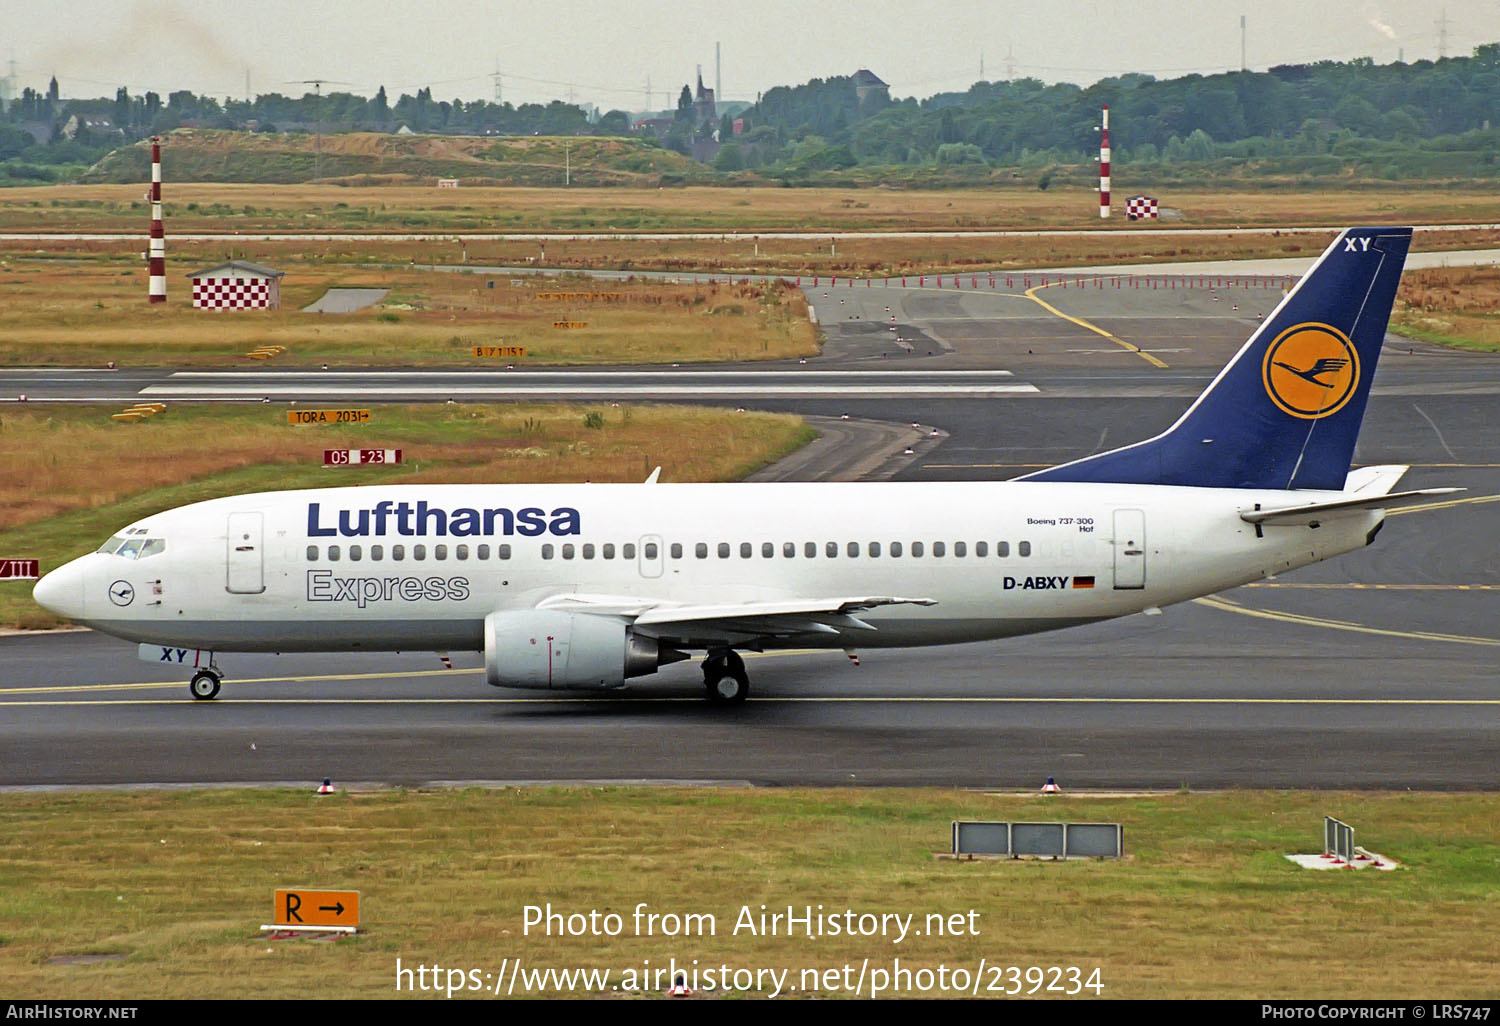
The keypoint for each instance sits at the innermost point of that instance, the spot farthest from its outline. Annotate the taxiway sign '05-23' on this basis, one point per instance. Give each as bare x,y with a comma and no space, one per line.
587,586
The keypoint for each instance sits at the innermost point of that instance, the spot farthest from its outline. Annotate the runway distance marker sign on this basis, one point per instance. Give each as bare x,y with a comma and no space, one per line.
20,569
327,416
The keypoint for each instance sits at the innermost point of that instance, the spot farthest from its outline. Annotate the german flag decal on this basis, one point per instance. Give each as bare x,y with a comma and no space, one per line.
1083,582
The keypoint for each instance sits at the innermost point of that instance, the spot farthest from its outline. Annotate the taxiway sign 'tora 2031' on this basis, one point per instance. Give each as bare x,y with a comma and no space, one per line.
586,586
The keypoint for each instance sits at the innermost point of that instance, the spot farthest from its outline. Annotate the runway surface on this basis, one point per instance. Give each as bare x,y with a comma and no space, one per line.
1377,669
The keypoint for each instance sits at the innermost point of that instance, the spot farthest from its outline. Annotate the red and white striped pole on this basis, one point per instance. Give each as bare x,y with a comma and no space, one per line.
1104,165
157,292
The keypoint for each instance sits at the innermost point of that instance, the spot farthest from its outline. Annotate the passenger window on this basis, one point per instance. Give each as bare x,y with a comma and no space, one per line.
483,552
398,552
503,551
938,548
981,548
1002,549
831,549
419,552
676,550
723,550
701,550
312,553
789,550
960,549
568,551
440,552
628,550
1024,548
916,548
746,550
874,550
461,552
588,552
377,552
333,553
767,550
547,551
895,550
810,550
355,552
609,550
852,549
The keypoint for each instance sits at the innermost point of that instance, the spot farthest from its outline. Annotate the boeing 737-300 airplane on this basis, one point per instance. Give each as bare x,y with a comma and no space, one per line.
589,585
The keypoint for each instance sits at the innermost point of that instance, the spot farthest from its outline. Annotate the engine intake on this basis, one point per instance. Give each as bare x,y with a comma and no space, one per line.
545,648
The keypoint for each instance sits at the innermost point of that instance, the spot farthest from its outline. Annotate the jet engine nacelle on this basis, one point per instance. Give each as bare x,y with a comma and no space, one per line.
545,648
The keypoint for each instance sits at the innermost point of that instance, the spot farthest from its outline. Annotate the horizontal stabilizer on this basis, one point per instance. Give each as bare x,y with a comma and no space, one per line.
1315,511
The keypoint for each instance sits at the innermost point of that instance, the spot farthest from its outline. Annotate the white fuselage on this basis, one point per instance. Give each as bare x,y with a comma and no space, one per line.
371,569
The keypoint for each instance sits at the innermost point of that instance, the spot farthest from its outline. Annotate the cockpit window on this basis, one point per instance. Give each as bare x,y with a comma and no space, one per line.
134,548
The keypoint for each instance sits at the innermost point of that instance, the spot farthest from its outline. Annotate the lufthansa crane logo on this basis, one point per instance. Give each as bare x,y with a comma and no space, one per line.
1311,371
121,593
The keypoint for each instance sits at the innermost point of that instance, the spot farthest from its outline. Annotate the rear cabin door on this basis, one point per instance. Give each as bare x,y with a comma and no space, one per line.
244,559
1130,548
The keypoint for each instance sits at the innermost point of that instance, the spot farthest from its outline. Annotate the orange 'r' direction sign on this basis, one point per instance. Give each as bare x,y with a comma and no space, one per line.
316,908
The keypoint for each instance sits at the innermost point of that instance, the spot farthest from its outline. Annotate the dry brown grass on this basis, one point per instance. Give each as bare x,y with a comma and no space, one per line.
92,309
1457,306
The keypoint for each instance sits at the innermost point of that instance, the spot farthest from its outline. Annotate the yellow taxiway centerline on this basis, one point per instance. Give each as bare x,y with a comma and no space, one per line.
1137,350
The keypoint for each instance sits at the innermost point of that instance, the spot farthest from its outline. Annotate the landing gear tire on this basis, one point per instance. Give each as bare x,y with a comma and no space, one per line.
725,678
204,685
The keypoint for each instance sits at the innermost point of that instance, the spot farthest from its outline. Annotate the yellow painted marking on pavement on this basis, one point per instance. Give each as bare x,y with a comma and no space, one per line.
812,700
1226,606
1378,587
1137,350
1471,500
47,689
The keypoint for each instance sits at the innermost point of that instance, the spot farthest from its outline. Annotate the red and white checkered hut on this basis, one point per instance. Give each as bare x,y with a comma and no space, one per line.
237,285
1138,207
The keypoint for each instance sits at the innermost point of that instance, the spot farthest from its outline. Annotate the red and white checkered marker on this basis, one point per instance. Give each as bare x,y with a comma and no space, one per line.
853,656
1137,207
231,293
327,786
1050,787
443,658
680,987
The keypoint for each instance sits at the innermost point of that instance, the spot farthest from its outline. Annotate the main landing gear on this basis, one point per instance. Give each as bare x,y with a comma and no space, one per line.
725,678
205,683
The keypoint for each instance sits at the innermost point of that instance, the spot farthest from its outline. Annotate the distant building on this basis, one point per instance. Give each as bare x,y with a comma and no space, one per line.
237,285
91,125
704,106
867,84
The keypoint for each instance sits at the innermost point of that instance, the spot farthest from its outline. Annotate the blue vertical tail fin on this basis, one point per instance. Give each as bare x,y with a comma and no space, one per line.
1286,411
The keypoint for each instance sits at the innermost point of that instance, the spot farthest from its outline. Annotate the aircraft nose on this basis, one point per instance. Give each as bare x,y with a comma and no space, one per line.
61,591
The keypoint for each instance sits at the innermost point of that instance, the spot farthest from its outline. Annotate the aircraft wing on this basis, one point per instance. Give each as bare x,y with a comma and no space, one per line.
738,623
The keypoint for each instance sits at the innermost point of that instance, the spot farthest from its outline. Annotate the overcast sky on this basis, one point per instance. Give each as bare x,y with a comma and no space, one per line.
604,52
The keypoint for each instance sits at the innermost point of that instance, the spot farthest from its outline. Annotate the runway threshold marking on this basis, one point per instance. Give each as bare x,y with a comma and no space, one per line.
1031,294
1228,606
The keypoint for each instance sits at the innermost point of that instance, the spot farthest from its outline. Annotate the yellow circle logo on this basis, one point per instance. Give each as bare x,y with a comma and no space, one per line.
1310,371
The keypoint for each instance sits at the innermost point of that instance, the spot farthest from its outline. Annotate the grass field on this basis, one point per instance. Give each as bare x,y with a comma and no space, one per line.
171,887
74,475
90,309
200,207
1457,306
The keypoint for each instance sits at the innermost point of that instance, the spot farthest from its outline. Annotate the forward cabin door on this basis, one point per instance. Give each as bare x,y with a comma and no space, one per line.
244,559
1130,548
